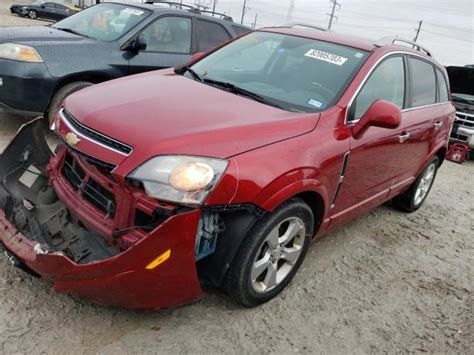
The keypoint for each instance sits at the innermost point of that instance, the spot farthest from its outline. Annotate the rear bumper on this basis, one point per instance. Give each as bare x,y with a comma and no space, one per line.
25,88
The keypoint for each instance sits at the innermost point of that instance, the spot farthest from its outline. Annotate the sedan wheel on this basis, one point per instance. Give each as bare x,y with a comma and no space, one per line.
278,254
32,14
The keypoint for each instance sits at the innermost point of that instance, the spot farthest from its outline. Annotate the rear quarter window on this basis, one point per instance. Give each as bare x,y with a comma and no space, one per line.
423,82
210,35
443,92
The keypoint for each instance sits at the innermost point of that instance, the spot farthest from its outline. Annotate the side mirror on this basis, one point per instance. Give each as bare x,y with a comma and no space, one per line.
43,6
382,114
197,56
140,43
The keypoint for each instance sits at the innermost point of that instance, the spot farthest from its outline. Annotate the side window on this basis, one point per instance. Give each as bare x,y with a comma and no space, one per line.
423,82
387,82
209,35
442,87
241,30
169,35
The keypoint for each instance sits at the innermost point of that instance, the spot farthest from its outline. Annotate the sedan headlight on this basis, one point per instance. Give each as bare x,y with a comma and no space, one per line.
19,52
180,179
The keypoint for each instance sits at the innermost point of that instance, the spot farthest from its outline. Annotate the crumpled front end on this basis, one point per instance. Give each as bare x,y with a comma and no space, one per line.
68,219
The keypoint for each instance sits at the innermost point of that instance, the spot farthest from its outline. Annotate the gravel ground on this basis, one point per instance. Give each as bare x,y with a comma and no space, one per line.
387,282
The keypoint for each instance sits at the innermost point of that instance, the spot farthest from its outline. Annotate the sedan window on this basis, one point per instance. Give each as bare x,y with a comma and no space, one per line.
387,82
105,22
290,72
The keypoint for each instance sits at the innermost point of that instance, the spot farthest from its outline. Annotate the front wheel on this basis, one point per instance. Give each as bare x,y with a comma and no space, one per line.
271,254
416,195
32,14
61,94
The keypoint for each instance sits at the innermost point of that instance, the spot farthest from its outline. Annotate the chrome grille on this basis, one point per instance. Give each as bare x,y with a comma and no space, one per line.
465,119
95,136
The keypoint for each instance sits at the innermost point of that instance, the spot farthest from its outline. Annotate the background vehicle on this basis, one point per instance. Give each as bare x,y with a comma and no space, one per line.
227,175
462,88
40,66
46,10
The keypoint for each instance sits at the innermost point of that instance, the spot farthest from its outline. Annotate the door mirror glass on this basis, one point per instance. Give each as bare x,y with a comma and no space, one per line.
382,114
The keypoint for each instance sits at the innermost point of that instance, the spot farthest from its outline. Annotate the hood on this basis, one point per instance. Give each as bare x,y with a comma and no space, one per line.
36,35
461,79
164,113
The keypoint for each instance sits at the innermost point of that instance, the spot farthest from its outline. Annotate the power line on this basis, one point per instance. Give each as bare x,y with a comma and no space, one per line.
335,5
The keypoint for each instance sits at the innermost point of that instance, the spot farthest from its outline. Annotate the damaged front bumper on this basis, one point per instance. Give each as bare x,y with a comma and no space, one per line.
50,226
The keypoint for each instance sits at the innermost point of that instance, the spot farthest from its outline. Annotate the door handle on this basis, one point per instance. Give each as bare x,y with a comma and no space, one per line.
403,137
438,124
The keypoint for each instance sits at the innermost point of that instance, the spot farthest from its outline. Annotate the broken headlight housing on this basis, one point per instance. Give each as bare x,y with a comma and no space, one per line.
180,179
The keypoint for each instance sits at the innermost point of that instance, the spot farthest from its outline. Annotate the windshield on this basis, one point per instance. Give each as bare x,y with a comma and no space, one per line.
105,22
294,73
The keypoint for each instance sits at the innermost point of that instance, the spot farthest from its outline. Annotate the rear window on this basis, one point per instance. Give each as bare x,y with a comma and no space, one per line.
423,82
442,87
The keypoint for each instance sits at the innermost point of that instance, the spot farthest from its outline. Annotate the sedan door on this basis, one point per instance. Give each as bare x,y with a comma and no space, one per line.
168,43
47,11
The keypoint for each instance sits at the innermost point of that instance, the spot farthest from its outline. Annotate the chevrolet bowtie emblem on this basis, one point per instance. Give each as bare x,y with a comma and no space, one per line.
72,139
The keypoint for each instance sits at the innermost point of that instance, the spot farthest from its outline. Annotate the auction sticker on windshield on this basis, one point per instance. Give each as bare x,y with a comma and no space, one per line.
133,11
325,56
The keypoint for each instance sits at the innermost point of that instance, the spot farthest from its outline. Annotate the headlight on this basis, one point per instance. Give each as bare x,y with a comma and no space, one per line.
19,52
180,179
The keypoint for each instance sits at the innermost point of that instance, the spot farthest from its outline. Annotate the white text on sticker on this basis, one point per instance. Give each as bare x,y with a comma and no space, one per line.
327,57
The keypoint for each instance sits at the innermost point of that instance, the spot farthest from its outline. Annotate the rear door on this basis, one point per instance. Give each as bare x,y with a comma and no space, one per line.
209,35
169,43
422,117
48,10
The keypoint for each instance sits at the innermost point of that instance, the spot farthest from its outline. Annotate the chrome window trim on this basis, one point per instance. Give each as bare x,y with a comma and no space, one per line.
359,88
65,120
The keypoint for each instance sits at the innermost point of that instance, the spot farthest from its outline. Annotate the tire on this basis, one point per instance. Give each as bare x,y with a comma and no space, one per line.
61,94
411,200
251,285
32,14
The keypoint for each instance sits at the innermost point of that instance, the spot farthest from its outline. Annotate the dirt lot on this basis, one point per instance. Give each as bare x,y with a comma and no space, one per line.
386,282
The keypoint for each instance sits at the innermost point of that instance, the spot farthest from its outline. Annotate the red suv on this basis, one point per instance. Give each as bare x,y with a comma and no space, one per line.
221,172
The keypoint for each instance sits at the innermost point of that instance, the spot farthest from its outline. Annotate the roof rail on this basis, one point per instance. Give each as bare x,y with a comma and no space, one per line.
222,16
191,8
178,5
394,40
302,24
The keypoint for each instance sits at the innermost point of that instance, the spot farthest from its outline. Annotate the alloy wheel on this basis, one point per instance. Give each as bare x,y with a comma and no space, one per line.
278,255
425,184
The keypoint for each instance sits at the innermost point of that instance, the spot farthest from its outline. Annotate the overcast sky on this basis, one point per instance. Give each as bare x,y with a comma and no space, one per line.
447,30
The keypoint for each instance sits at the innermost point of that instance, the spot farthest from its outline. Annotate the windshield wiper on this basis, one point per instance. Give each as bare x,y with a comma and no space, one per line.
240,91
192,72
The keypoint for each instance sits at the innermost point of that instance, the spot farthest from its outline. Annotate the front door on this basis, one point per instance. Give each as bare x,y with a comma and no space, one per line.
168,42
376,159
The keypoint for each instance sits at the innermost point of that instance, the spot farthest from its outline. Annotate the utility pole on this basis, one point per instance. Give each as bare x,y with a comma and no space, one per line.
289,16
255,22
244,10
418,30
214,7
335,5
